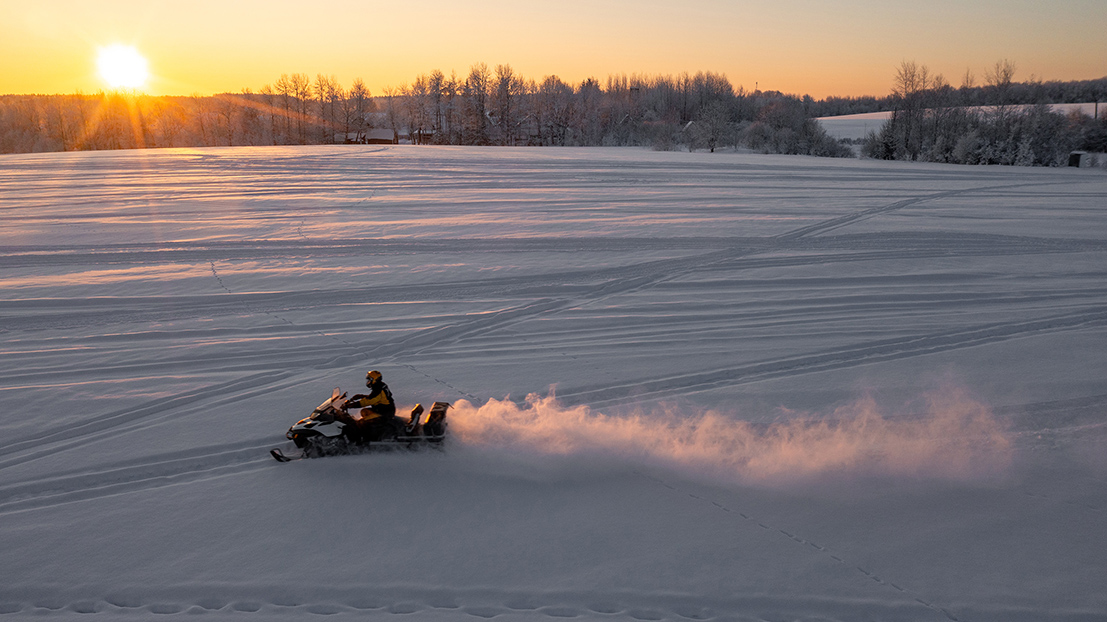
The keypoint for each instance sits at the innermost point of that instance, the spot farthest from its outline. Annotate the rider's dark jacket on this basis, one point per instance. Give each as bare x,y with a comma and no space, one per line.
379,400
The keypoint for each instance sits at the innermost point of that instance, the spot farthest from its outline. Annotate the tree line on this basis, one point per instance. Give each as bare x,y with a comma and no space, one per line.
973,92
295,109
488,106
1001,122
497,106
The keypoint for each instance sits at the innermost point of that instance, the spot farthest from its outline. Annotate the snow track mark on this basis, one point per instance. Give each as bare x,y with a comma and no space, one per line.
218,601
855,354
135,475
818,548
849,219
81,433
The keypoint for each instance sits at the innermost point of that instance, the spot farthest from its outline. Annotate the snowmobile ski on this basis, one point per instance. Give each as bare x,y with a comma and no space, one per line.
279,456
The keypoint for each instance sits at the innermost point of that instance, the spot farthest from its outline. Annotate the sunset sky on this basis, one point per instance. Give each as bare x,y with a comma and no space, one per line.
848,47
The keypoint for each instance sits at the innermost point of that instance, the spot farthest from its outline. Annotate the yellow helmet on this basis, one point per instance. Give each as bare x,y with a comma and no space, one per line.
372,377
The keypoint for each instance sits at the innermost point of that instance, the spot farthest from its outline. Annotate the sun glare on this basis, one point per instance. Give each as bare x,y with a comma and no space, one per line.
121,66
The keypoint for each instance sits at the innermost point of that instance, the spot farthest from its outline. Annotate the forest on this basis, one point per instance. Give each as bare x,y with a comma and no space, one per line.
1004,123
931,120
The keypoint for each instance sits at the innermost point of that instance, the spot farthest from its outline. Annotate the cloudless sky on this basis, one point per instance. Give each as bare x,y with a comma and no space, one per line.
816,47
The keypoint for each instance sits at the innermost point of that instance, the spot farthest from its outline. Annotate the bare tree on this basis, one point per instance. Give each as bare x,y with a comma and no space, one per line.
268,100
284,88
475,93
910,89
300,89
712,125
910,81
436,83
169,123
506,105
711,87
360,96
417,106
203,115
451,98
967,92
335,96
250,114
968,80
59,122
347,112
392,109
321,89
999,79
586,113
225,123
553,109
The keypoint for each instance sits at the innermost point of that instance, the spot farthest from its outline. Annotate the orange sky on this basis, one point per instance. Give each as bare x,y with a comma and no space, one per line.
848,47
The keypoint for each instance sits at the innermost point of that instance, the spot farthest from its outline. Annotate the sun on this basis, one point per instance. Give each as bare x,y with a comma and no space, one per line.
122,67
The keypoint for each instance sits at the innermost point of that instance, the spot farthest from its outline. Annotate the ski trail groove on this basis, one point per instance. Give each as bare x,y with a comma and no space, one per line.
640,276
271,314
133,476
820,549
223,601
82,433
845,357
849,219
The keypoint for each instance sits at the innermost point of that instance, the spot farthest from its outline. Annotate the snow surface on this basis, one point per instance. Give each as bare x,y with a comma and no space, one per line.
786,388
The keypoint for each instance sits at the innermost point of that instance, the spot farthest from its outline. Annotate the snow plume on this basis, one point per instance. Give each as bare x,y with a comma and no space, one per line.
956,438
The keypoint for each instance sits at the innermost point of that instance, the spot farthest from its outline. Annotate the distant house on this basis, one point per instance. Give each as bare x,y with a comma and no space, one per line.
381,137
369,137
420,137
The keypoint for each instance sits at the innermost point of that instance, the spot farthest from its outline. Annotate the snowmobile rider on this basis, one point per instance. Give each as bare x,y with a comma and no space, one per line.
378,408
379,400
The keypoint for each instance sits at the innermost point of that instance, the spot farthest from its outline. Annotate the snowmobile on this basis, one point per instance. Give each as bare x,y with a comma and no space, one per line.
330,430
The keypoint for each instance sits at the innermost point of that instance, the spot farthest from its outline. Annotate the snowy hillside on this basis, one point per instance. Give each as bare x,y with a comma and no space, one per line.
858,126
685,386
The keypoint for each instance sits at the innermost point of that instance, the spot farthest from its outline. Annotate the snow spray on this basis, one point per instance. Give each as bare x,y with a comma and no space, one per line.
956,438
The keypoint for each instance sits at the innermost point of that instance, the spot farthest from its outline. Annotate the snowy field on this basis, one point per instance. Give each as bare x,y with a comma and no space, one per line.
786,388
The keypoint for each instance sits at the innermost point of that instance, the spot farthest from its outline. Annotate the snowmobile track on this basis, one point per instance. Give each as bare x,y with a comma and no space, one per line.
81,433
133,476
850,356
822,550
219,601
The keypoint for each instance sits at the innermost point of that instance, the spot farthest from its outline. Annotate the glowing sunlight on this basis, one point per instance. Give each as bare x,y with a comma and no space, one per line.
122,66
